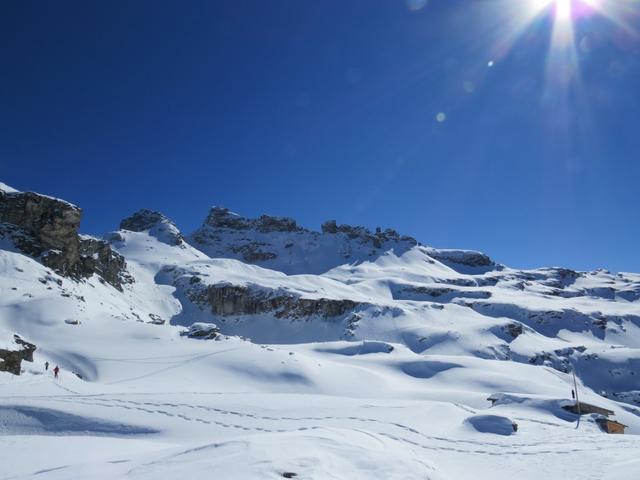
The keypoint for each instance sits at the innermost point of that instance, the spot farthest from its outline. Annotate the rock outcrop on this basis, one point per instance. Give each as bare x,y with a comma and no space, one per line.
377,238
46,228
156,224
53,224
464,261
233,300
223,218
11,358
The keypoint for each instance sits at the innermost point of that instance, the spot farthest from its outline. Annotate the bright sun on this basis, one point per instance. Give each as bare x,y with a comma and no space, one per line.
567,35
562,8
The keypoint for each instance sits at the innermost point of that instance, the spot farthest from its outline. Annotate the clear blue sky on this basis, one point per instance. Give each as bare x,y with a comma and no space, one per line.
331,109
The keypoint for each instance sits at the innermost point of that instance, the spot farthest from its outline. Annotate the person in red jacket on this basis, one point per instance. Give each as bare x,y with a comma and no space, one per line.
56,371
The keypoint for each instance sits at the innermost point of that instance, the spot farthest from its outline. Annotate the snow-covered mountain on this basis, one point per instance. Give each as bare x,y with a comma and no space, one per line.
261,348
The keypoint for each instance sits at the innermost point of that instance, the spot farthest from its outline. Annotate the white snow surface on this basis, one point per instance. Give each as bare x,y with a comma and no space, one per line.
397,388
7,189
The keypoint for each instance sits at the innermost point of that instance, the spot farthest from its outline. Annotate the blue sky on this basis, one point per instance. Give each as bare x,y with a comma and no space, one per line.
454,121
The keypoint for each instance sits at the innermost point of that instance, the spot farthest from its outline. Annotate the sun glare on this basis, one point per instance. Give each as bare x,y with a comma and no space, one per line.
563,10
567,14
568,39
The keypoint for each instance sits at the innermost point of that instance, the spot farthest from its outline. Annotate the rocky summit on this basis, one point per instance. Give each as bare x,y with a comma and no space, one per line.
279,243
154,223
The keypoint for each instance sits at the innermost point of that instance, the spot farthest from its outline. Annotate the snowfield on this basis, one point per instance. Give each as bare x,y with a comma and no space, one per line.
340,354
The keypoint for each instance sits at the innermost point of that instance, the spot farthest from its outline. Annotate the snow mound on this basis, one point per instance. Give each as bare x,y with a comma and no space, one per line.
491,424
426,368
359,348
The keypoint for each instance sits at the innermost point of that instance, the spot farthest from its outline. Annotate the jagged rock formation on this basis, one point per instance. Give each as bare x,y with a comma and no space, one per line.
279,243
222,218
232,300
46,228
11,358
156,224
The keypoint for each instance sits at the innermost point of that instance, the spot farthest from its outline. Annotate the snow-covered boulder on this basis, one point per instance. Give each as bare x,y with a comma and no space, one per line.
202,330
496,424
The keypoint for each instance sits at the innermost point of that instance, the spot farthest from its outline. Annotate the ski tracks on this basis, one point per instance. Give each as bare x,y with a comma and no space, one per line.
398,432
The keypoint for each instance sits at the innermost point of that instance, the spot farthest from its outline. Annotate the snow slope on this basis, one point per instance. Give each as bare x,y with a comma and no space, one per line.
377,364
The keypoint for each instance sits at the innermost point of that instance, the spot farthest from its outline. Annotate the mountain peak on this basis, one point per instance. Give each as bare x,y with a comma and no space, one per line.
221,217
155,223
143,219
281,244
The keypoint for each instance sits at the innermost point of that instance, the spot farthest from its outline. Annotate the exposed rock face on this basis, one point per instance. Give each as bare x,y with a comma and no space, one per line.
468,258
436,293
514,329
220,217
266,224
156,224
52,223
47,229
279,243
229,300
252,252
98,257
11,359
330,226
142,220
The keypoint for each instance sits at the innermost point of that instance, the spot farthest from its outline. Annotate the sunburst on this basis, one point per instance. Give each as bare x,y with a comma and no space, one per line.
566,17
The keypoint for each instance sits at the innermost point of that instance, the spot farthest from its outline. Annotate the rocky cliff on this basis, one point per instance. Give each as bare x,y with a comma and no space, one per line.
225,300
46,228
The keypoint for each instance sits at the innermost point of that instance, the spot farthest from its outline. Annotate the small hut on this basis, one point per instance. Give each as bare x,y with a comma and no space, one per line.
582,408
610,426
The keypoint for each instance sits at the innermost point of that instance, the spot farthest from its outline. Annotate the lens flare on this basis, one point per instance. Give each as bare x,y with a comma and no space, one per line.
566,16
563,10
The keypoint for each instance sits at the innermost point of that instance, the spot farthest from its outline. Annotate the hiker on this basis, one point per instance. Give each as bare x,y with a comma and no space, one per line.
55,371
46,366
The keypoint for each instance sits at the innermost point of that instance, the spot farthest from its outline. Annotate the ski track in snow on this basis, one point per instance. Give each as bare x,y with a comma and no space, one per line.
502,448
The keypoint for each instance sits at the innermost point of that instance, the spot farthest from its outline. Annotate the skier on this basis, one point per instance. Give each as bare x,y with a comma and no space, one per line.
55,371
46,365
